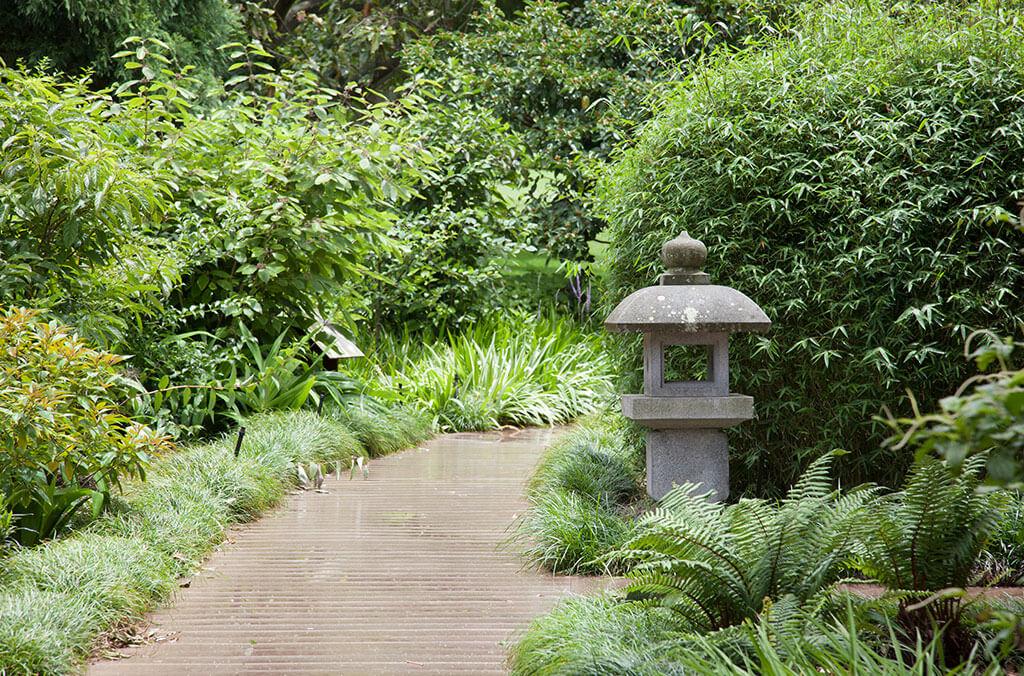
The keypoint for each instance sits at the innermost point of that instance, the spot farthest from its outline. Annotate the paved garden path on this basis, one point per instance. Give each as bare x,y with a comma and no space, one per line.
401,572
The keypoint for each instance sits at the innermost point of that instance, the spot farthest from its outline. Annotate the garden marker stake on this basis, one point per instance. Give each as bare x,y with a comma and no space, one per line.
238,442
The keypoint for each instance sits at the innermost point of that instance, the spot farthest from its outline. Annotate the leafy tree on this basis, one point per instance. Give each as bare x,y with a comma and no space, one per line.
859,181
78,207
358,41
573,81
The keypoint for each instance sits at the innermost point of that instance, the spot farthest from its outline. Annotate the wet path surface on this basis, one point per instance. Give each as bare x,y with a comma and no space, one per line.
402,572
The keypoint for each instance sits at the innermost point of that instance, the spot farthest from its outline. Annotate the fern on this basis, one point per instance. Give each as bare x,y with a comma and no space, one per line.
928,536
924,543
715,565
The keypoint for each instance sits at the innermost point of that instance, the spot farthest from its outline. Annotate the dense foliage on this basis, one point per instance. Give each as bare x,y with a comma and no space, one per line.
421,174
573,82
78,34
457,237
860,183
714,565
181,235
603,635
360,43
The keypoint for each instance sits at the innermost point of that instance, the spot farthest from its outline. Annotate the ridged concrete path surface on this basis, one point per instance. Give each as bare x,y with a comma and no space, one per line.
400,573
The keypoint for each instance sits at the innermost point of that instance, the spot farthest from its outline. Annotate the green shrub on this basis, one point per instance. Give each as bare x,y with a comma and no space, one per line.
985,416
515,371
860,182
458,235
77,208
284,192
64,443
157,227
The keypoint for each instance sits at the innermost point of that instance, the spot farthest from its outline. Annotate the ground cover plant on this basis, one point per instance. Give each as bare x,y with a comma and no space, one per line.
517,371
599,635
859,182
57,598
583,497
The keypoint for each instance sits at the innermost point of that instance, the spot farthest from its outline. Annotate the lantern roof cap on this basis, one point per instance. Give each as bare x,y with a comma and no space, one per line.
685,301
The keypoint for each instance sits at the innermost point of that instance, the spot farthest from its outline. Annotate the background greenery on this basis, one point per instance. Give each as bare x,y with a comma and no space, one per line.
433,178
81,34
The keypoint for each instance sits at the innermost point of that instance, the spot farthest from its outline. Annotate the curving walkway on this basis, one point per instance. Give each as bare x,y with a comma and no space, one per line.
399,573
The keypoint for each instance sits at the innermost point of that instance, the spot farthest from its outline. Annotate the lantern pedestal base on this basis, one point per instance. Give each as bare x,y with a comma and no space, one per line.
676,457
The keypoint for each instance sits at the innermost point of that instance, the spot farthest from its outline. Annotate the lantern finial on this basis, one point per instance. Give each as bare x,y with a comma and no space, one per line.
684,259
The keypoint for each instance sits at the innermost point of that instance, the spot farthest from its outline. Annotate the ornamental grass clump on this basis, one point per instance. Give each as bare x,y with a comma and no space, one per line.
602,635
382,429
860,179
582,497
511,372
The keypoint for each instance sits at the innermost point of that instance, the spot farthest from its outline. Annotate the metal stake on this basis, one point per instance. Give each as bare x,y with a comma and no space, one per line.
238,442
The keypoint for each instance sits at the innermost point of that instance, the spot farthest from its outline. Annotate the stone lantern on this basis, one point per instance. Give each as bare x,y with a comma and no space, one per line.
686,418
